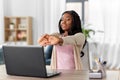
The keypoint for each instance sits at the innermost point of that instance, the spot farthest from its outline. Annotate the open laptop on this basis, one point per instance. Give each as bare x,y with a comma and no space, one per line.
26,61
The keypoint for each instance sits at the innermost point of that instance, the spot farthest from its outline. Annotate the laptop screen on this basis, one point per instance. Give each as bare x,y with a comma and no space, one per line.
25,60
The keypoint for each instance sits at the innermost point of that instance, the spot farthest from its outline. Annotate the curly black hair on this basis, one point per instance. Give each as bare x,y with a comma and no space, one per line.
76,23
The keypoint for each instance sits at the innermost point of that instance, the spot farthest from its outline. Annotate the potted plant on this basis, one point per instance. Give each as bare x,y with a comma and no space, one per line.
86,31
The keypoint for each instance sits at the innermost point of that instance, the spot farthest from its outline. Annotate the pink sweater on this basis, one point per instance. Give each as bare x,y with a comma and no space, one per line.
65,57
77,41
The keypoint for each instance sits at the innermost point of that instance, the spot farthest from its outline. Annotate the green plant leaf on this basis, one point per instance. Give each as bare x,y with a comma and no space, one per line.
87,31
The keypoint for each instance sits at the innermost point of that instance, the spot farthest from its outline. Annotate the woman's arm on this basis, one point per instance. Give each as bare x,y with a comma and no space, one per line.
77,39
53,39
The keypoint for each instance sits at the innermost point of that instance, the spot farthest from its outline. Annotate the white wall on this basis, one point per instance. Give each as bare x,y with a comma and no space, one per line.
1,23
44,13
20,7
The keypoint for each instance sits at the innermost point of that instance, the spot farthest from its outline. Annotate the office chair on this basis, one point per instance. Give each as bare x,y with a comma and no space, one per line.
85,56
48,53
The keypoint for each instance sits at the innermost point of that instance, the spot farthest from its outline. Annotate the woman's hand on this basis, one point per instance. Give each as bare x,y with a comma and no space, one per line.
43,40
53,40
49,40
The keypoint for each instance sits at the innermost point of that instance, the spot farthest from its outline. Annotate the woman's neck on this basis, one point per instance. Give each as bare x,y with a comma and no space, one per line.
65,33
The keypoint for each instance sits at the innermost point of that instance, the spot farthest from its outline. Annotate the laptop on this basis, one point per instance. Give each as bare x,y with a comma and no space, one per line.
26,61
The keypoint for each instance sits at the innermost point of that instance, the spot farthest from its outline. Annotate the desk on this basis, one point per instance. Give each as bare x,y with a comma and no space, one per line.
65,75
111,75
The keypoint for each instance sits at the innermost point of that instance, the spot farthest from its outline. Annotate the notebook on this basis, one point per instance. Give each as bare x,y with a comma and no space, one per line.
26,61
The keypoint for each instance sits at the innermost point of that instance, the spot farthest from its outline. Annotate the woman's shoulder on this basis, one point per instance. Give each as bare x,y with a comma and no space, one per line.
80,34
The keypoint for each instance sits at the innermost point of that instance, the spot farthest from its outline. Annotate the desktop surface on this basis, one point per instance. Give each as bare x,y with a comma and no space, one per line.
65,75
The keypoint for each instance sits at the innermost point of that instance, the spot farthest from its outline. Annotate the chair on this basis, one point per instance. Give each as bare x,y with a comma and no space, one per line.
48,53
1,56
85,57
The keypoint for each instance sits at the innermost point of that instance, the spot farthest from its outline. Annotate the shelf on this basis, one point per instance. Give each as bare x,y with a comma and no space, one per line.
18,29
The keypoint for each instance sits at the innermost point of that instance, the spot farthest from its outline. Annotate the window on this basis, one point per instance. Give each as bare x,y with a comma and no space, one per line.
80,6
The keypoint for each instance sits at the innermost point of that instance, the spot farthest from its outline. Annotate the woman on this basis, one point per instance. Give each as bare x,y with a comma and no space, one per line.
67,43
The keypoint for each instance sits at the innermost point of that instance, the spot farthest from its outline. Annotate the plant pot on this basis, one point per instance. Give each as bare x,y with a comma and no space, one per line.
11,26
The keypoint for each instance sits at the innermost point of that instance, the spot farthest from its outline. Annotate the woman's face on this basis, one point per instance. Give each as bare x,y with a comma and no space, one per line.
66,22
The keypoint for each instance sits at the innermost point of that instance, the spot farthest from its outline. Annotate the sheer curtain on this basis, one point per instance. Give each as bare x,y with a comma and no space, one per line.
1,23
48,13
105,16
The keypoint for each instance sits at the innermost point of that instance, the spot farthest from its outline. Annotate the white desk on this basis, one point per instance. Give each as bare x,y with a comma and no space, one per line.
65,75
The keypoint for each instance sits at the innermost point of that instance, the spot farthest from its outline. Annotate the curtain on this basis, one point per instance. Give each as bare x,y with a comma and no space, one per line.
1,23
48,15
104,16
